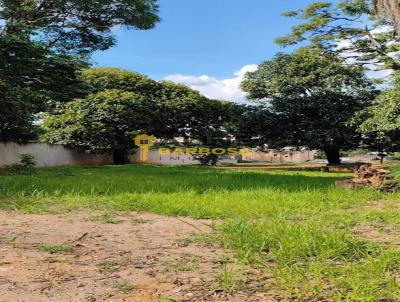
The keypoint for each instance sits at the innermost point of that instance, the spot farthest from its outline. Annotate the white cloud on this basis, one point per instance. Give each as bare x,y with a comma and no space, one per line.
211,87
379,74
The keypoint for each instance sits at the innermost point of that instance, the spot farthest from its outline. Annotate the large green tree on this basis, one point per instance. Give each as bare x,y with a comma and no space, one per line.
184,112
123,104
310,97
347,27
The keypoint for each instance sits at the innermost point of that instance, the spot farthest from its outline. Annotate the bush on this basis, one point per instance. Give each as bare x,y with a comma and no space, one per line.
207,160
396,156
320,155
26,166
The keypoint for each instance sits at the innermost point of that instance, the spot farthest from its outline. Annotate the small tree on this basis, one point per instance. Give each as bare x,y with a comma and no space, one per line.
26,166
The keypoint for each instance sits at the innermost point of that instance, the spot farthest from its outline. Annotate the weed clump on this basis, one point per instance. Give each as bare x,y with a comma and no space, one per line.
26,165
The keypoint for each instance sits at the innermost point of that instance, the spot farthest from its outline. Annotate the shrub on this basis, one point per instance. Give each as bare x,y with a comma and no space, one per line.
396,156
26,166
207,160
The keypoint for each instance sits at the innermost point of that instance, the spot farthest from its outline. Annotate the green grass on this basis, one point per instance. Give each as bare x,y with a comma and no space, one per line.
105,218
188,263
294,225
228,281
109,265
54,248
123,287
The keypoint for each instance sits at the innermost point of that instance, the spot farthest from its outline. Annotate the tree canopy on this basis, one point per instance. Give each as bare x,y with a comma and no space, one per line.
307,71
103,122
123,104
100,79
76,26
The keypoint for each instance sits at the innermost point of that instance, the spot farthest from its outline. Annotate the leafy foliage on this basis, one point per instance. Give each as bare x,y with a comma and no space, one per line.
307,71
100,79
103,122
379,124
77,26
123,104
33,79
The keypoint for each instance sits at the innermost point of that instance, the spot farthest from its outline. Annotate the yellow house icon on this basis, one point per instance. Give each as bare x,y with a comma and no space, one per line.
144,142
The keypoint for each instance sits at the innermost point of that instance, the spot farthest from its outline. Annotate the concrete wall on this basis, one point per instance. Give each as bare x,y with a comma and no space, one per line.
280,156
56,155
49,155
165,159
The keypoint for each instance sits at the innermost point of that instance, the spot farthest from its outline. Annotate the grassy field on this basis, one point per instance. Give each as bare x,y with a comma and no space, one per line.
317,241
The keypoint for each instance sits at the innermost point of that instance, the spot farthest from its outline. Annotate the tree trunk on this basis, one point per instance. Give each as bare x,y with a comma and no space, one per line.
332,155
390,9
382,156
120,157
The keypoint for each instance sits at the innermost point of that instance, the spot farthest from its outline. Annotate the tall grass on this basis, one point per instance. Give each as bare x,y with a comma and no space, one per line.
293,224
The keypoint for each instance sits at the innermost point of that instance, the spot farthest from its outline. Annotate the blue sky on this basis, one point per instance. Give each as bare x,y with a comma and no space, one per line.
204,42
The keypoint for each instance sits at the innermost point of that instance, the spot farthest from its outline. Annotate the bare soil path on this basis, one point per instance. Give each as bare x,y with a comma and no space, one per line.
126,257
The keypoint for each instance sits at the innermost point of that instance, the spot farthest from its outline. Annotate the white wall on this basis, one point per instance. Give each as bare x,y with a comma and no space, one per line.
49,155
280,156
165,159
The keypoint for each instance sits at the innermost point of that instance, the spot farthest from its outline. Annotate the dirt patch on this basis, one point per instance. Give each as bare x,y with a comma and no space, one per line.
379,233
384,233
106,257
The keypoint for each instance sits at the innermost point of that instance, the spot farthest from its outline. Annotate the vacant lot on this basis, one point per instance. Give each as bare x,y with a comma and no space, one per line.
293,235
